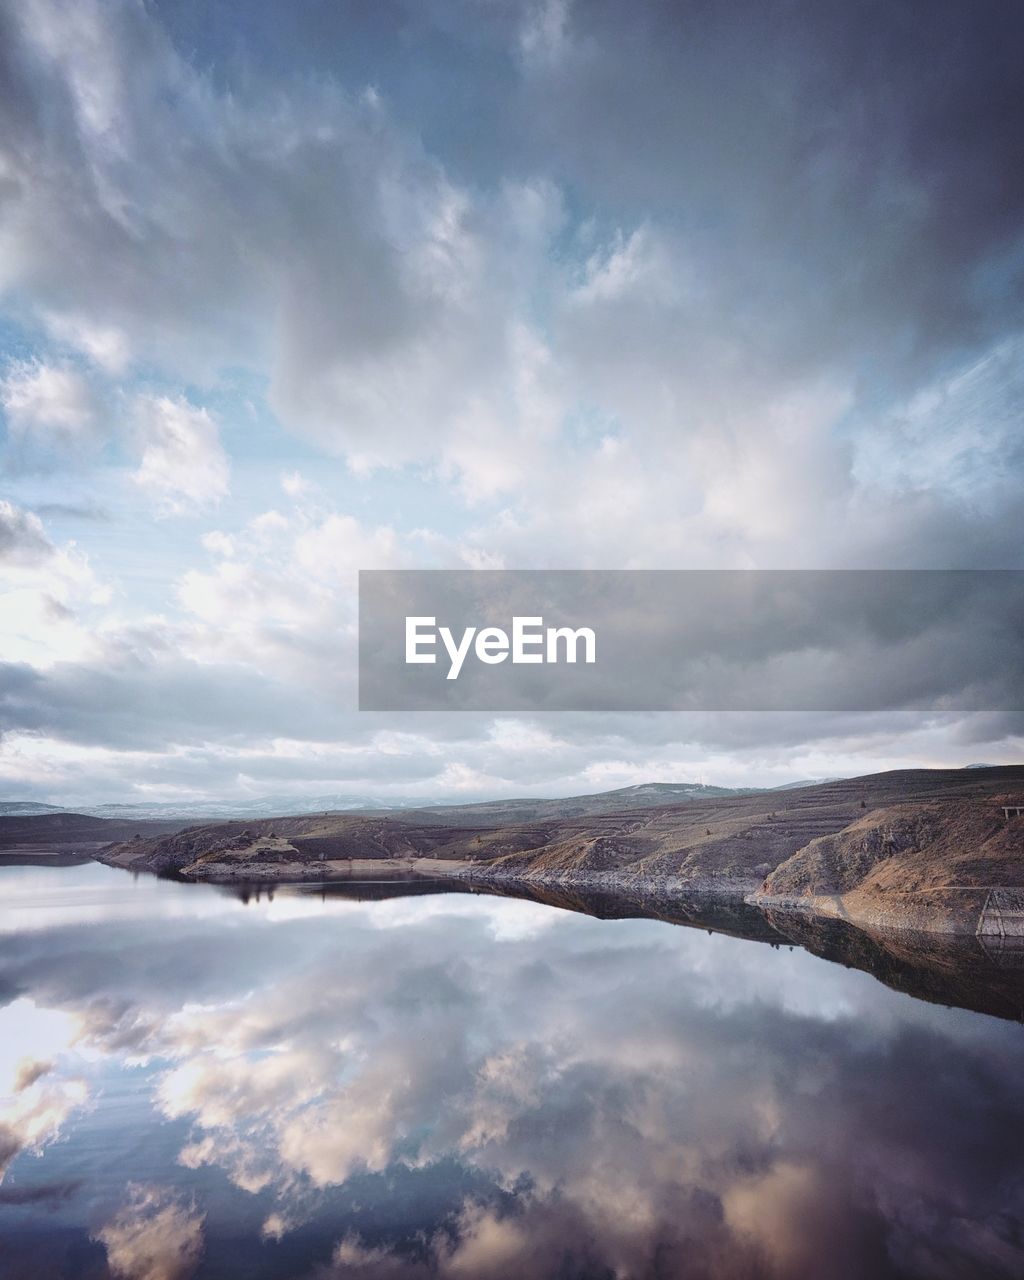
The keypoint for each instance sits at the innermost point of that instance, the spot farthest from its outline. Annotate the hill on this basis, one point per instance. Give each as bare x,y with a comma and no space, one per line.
906,865
64,832
26,808
950,836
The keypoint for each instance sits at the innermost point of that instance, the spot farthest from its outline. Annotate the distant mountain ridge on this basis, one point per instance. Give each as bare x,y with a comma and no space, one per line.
210,809
26,823
280,806
27,808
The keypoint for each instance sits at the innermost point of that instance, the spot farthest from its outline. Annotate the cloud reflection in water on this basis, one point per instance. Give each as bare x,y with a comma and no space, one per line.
480,1087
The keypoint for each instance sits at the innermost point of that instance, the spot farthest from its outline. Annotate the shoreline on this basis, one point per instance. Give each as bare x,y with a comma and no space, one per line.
964,910
989,911
955,963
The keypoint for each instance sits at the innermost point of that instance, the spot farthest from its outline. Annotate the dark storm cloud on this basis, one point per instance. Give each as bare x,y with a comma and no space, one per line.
858,162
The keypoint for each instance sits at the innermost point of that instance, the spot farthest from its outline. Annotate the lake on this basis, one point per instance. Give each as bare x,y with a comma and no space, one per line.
204,1083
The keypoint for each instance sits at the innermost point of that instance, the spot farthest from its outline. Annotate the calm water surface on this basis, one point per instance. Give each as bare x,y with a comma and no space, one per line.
468,1086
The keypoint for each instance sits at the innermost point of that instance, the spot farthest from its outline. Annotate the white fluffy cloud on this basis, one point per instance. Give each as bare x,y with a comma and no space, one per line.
105,346
35,1101
181,463
280,595
23,540
48,594
48,404
156,1236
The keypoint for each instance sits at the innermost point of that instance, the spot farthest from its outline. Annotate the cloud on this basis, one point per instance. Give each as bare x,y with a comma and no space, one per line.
788,137
721,289
23,541
182,464
698,288
545,1085
29,1071
592,1083
36,1100
249,688
156,1236
312,236
565,285
353,1258
956,436
44,591
35,1117
280,595
105,346
49,405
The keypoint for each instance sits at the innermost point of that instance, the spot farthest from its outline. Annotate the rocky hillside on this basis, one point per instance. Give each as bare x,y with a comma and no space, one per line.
279,848
737,843
931,831
912,864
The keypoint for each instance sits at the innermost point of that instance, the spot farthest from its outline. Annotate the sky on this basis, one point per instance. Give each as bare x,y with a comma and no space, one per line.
291,291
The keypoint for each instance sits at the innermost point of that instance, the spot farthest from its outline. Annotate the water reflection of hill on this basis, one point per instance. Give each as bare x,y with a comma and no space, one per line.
397,886
953,970
713,913
956,970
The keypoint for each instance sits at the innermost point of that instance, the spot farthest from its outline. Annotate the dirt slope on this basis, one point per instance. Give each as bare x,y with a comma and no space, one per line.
913,864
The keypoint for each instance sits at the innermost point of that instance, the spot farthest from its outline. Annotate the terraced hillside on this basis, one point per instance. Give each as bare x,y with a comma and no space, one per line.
909,864
730,844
